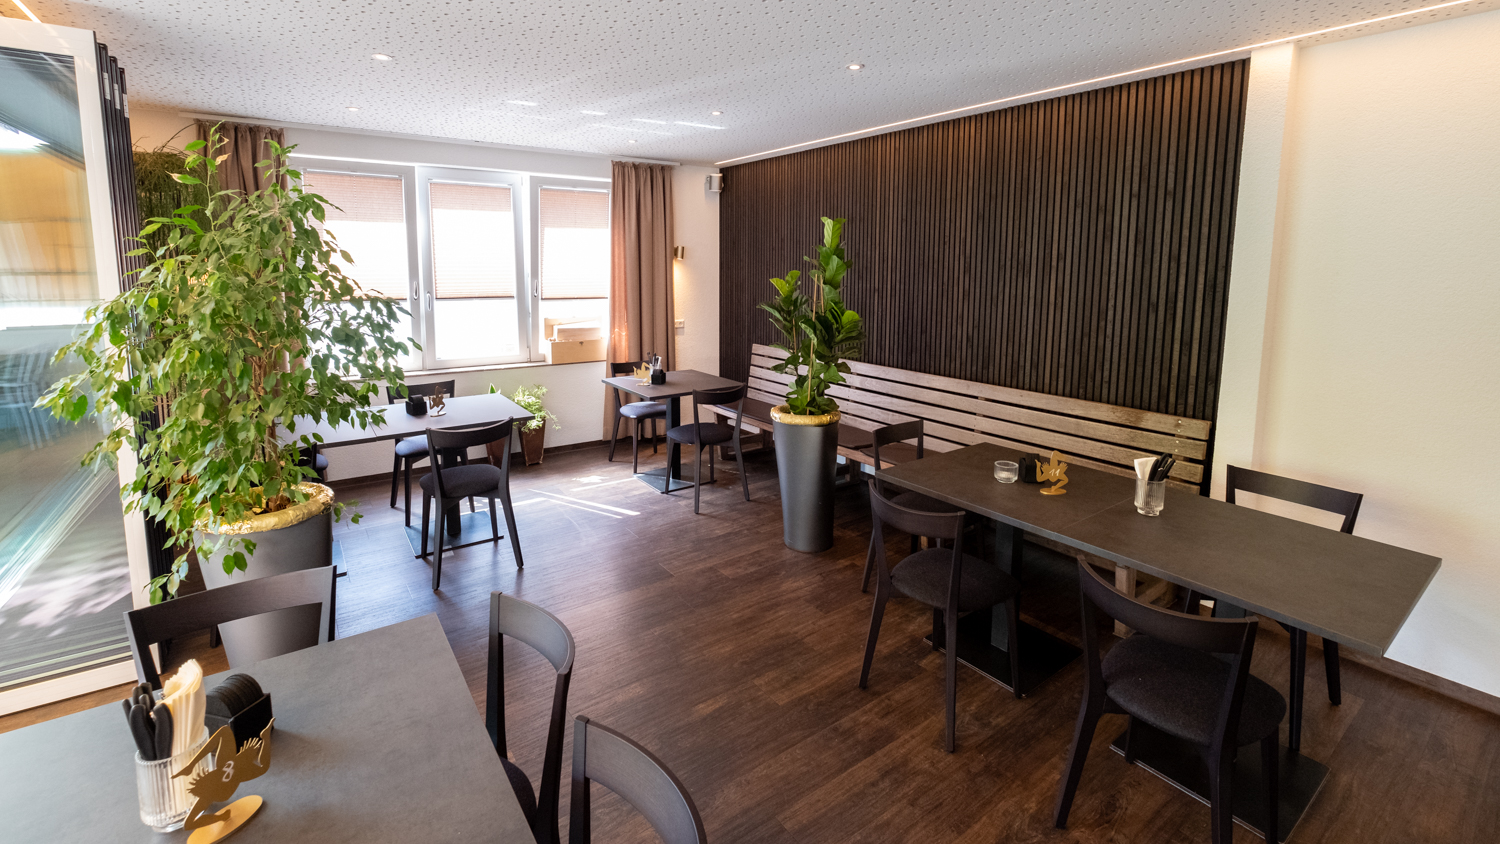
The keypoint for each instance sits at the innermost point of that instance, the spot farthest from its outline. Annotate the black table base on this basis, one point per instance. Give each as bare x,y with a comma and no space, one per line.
983,647
473,529
655,478
1180,764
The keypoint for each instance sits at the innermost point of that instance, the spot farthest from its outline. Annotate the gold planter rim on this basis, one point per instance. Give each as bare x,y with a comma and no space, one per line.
320,502
783,413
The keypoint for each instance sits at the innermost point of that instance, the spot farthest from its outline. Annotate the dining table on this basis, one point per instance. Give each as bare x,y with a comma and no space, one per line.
1349,589
679,383
394,423
376,739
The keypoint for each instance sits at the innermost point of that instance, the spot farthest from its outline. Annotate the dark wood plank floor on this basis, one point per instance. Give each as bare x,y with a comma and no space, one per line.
736,660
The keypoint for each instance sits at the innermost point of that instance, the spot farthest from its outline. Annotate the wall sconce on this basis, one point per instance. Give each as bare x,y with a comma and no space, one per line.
679,252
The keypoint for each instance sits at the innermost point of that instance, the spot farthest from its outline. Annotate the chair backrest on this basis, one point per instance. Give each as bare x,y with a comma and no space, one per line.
915,522
448,445
1233,638
394,394
899,432
631,771
543,632
722,397
615,371
1327,498
309,588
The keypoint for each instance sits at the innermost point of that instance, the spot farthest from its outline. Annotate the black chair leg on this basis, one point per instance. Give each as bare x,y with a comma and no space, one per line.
950,679
437,562
408,491
1331,668
1013,642
1129,745
614,436
864,583
1221,797
655,437
494,524
1270,749
876,615
739,461
426,517
1294,693
395,480
697,474
1083,736
635,447
510,523
713,477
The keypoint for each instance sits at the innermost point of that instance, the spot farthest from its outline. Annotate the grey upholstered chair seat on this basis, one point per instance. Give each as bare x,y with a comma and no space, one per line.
521,785
1179,690
412,446
643,410
463,481
706,433
918,501
925,574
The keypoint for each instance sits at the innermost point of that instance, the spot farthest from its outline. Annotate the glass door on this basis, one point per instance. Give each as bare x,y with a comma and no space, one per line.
65,573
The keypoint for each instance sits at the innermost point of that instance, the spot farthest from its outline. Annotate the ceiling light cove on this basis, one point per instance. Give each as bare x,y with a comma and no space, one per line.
698,125
527,103
648,120
381,57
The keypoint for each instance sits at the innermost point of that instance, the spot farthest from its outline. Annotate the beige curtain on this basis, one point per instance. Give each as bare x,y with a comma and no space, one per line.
640,277
246,146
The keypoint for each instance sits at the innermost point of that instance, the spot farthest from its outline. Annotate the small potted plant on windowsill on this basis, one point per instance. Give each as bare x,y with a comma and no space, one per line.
534,431
819,333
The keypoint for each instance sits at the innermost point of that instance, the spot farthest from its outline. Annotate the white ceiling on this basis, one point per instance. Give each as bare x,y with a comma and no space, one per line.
776,68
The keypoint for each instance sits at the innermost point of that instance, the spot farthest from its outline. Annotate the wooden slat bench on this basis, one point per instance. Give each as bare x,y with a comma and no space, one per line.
957,413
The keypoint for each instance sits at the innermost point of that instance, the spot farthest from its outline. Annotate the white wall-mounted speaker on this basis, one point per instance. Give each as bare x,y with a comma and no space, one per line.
715,182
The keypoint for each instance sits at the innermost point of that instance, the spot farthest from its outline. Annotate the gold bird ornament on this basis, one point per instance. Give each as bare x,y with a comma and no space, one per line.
231,767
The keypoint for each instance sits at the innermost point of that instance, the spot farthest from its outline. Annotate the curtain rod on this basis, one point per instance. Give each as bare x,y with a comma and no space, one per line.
198,115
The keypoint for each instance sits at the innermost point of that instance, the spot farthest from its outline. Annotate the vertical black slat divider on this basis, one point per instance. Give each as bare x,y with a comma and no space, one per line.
1077,246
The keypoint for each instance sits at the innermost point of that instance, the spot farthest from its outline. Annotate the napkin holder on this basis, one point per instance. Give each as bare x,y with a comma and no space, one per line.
1028,469
416,405
248,719
658,377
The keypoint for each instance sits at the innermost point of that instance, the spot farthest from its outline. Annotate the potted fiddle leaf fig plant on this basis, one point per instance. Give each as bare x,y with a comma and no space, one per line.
243,321
819,333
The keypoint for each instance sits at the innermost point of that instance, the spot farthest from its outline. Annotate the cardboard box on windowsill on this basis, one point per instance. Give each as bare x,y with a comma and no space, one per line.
573,342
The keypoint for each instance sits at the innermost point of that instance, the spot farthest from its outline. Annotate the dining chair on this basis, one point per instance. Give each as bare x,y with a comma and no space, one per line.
306,595
638,412
703,436
411,450
1185,675
614,761
1326,498
948,580
453,479
894,439
544,633
313,458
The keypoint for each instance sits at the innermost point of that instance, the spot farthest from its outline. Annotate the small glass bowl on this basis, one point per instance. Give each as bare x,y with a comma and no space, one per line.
1007,471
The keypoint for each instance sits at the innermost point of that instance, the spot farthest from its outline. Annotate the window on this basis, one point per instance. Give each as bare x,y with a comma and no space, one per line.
487,261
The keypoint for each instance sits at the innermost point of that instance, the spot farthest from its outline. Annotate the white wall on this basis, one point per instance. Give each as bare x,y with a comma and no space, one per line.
574,394
1382,328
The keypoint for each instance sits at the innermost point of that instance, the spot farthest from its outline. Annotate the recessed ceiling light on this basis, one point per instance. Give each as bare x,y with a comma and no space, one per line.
351,108
594,113
856,66
716,113
631,141
523,103
380,57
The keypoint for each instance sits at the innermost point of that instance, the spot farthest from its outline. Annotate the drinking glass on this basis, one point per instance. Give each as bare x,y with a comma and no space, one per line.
1007,471
163,798
1150,497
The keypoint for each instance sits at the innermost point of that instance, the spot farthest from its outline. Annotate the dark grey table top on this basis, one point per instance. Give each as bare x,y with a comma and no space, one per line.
680,382
1353,590
460,411
377,740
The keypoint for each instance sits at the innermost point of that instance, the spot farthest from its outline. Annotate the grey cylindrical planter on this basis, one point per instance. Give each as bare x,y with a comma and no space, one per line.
304,545
806,455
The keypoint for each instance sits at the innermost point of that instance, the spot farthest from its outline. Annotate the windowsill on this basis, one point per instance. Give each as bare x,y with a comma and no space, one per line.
495,367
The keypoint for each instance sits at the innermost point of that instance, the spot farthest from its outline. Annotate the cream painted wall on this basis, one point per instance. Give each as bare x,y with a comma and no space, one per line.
1382,332
574,392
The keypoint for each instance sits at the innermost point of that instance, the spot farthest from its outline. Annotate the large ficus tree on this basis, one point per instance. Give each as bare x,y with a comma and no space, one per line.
243,321
819,332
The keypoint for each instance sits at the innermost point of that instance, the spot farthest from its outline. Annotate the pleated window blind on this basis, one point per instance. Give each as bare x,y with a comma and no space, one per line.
575,243
473,241
370,224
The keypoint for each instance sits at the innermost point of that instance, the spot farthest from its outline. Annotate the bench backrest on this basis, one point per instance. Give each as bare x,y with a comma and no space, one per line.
957,413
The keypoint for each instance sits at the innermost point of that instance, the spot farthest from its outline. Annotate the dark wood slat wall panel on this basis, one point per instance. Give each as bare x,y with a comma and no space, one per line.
1078,246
